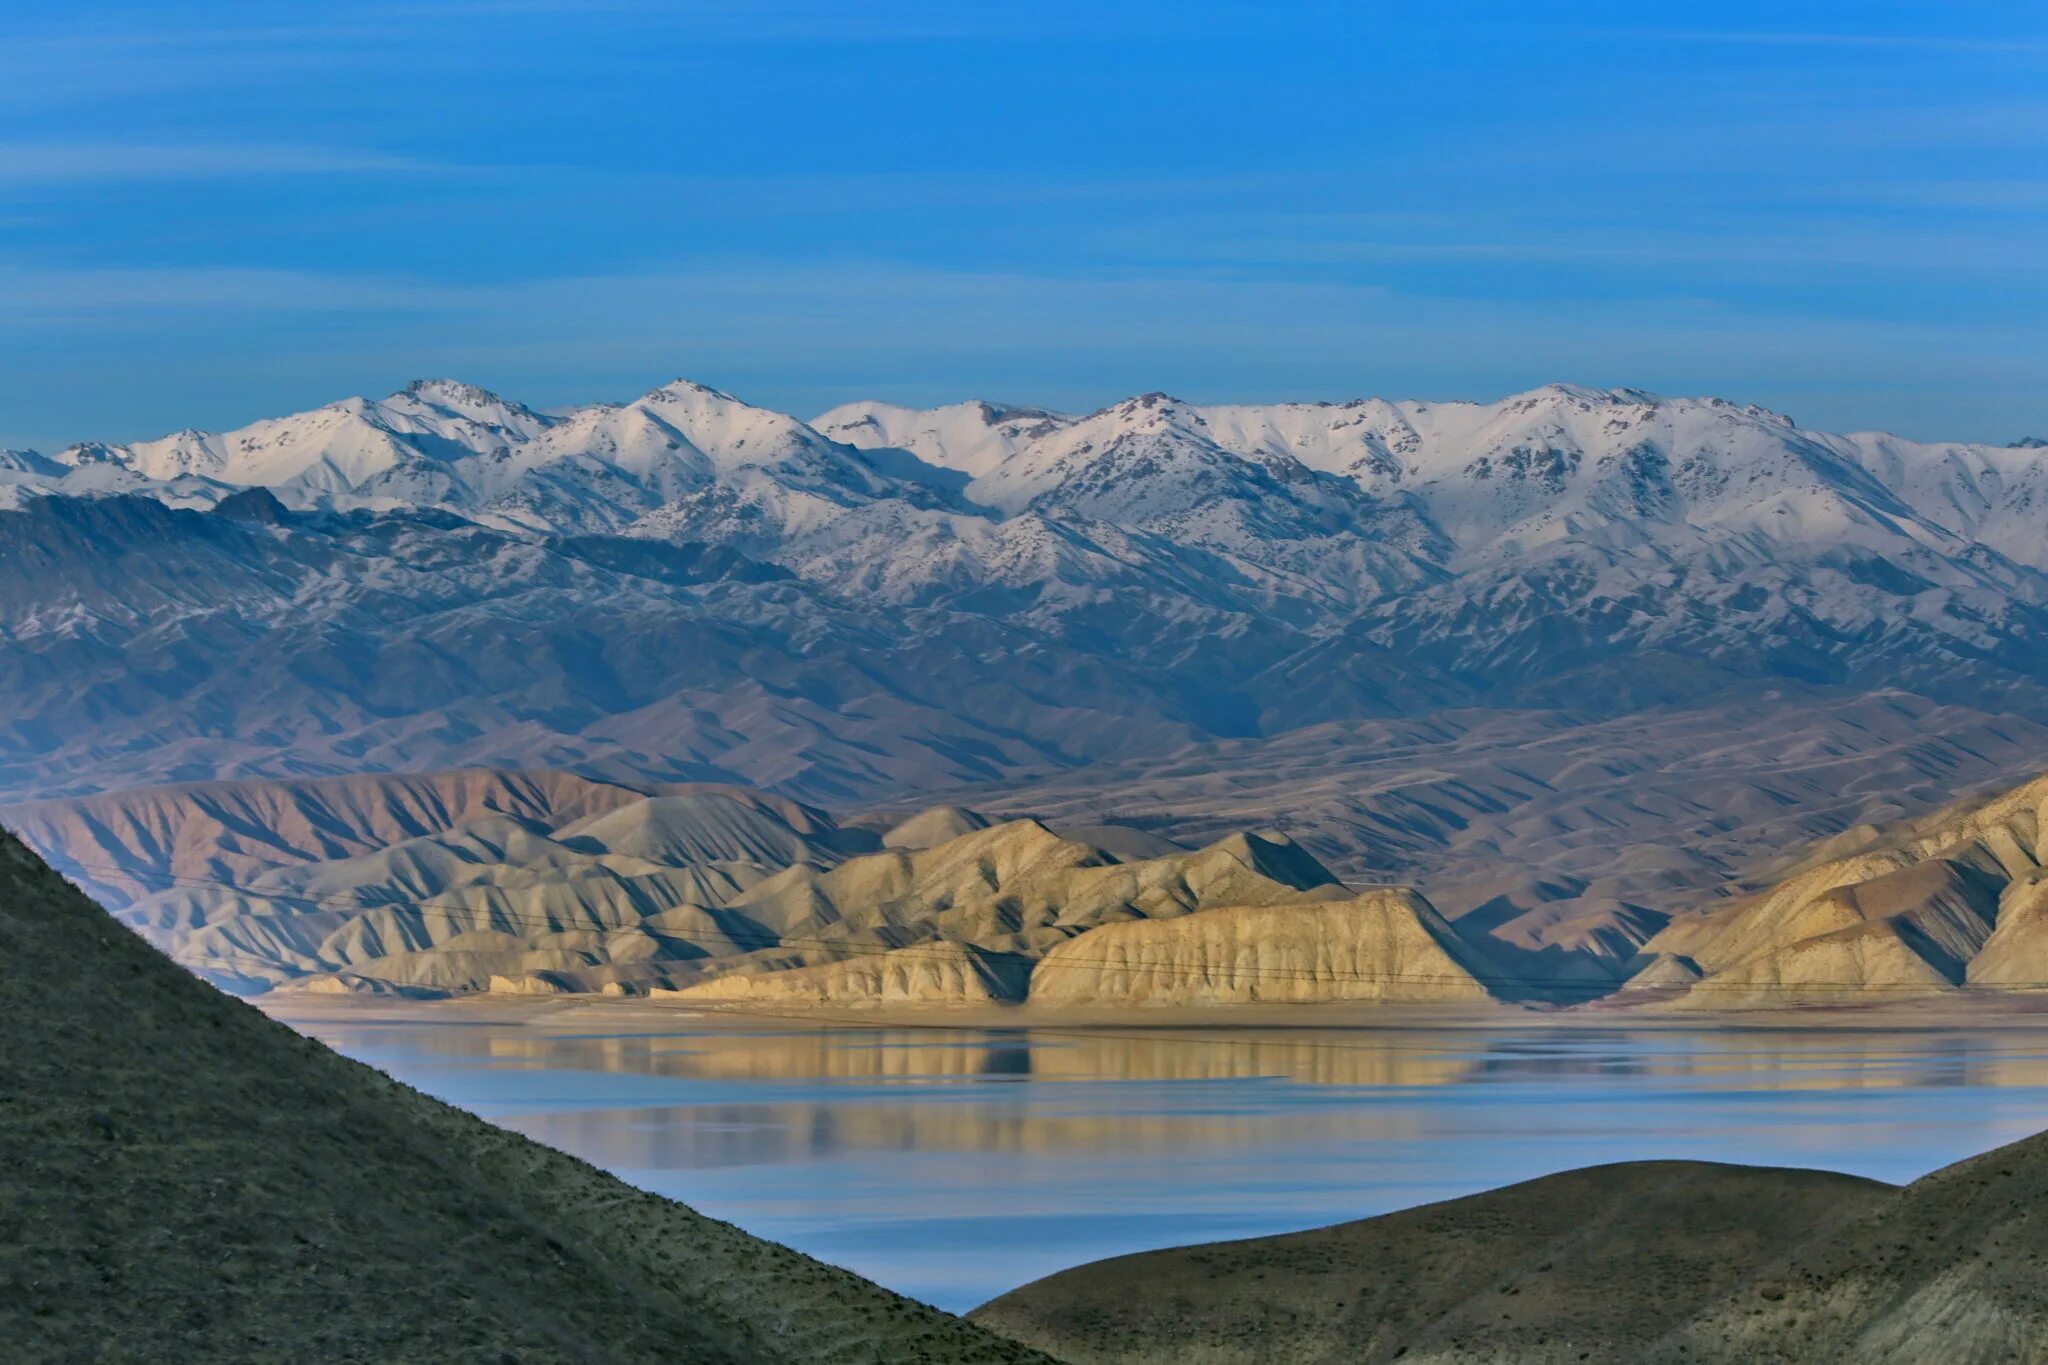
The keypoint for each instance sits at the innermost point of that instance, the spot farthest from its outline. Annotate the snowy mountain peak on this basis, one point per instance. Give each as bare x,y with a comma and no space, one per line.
29,462
1586,398
91,453
1149,461
457,396
432,405
1154,403
729,430
453,390
997,413
1285,487
1585,393
724,426
972,437
690,391
1567,400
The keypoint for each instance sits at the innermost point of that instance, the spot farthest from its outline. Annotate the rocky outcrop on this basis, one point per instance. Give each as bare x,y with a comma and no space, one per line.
1382,946
922,974
1663,971
980,909
1019,887
1864,964
532,983
1951,901
130,845
2015,957
548,883
930,828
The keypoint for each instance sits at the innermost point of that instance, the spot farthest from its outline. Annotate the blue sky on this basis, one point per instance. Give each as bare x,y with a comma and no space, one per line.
211,212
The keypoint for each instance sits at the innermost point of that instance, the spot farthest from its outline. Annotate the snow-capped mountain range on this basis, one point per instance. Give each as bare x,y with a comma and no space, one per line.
1155,570
1451,484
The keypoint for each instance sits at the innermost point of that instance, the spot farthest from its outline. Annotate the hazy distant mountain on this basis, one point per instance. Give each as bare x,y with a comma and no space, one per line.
686,586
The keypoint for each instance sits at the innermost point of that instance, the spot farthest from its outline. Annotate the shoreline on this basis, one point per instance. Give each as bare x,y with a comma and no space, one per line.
1933,1016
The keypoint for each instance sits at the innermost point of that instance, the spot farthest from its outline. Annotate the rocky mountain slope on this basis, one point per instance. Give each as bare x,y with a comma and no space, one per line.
184,645
1652,1261
689,587
132,845
1956,900
186,1179
1560,833
543,883
1380,947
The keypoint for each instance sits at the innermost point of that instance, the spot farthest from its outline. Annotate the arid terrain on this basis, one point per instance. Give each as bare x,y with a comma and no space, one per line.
1563,888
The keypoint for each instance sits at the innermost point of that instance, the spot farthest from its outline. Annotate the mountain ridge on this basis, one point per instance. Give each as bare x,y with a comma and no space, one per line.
705,893
1541,438
687,586
547,882
1949,902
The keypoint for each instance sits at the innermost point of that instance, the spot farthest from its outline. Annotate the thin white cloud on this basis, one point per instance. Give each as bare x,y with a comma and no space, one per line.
802,338
1912,42
44,163
56,295
797,21
855,303
1995,195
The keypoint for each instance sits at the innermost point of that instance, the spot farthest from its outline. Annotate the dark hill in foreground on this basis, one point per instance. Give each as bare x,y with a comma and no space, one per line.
182,1178
1642,1262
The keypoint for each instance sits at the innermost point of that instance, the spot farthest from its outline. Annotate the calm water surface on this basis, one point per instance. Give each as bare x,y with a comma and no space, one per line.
953,1164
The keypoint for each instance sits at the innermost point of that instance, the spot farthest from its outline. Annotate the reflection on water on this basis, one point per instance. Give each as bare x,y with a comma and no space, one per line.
953,1164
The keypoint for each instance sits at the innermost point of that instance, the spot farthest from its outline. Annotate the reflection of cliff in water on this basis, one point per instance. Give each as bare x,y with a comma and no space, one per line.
699,1136
1158,1102
1776,1061
1380,1058
925,1054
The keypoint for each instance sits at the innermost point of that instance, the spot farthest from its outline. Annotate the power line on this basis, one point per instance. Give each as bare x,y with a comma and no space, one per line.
923,949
